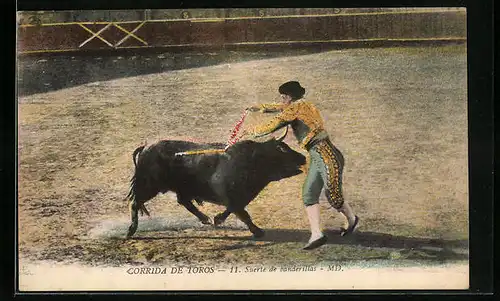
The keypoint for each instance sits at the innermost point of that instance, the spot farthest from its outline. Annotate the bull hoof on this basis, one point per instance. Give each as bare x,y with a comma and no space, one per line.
258,233
218,219
206,221
131,232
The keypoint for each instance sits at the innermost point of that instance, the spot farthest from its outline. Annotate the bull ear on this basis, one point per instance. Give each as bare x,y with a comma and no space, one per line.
280,138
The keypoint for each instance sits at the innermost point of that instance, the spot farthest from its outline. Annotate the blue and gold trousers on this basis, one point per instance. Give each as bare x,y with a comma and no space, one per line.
325,170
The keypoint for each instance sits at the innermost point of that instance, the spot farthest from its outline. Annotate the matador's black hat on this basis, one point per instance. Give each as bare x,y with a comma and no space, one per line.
293,89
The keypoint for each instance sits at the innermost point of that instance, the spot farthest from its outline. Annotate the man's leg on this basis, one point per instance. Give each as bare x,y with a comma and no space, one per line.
332,176
310,195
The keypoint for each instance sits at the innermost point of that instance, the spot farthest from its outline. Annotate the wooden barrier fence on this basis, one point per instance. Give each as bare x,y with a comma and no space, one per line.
221,32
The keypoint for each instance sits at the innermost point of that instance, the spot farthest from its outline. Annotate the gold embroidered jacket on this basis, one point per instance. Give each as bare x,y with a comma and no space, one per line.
303,116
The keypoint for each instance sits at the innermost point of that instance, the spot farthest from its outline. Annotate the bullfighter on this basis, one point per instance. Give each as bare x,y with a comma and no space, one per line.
326,161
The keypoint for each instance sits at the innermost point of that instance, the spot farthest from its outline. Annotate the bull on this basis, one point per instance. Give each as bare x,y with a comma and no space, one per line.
232,178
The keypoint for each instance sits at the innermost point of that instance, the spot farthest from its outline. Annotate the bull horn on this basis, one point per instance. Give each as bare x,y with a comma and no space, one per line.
280,138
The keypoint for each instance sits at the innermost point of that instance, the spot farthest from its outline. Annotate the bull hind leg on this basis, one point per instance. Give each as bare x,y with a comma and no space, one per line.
188,204
133,208
136,205
245,217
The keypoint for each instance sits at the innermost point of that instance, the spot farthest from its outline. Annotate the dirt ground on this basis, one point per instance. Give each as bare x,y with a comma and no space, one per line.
399,115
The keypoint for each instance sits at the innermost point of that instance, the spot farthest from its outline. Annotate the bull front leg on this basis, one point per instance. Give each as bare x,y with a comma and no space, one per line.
188,204
221,217
245,217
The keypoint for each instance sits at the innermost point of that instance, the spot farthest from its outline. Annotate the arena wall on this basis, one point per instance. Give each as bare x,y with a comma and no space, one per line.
369,27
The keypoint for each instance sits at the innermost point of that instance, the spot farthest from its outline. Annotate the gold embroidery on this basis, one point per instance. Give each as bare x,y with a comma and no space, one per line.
309,136
300,110
267,128
333,191
288,115
271,107
309,114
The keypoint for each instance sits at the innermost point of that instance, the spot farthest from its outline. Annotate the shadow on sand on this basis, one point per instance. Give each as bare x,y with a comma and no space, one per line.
49,72
40,73
438,249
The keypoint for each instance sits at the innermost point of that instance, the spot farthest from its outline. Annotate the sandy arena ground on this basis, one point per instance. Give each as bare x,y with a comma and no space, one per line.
399,115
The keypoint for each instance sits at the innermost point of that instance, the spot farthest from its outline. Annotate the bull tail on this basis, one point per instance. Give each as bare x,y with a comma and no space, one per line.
136,152
136,204
131,197
131,193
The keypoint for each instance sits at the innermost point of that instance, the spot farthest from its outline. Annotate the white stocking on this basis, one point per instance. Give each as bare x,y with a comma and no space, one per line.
313,214
346,211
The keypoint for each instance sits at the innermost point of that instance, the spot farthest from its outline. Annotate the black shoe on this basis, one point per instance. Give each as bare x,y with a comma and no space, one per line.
344,232
316,243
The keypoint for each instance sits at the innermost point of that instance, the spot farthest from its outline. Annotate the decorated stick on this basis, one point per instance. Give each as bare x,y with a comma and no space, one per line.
201,152
232,140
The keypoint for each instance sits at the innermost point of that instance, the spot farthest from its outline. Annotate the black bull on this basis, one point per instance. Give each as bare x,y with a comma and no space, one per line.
232,178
